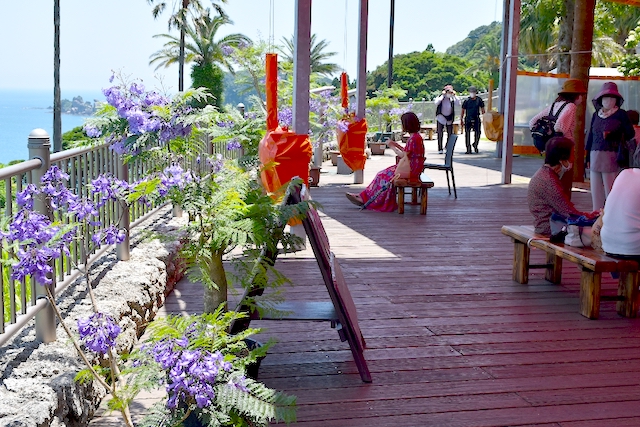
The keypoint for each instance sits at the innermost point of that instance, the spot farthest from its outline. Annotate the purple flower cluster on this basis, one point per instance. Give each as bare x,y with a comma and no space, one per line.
233,144
216,164
226,124
191,373
226,49
92,131
143,112
39,239
343,125
98,332
285,117
110,235
173,177
109,188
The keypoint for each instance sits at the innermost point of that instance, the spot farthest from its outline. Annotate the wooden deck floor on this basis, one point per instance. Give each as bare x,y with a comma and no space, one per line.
452,340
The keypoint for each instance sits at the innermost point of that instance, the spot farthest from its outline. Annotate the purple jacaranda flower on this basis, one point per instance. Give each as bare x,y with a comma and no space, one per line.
83,209
111,78
343,126
25,197
136,88
226,49
98,332
234,144
92,131
30,226
239,383
35,261
110,235
285,117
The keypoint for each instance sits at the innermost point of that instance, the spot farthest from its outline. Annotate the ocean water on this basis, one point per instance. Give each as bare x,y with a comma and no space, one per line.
21,111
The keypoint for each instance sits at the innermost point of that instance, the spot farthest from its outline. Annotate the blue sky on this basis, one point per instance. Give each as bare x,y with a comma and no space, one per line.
98,36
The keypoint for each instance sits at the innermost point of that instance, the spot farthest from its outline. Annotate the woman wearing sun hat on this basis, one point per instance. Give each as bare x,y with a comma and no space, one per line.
570,95
610,126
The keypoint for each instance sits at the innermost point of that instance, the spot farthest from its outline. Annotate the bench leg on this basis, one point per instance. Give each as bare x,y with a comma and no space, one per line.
554,273
423,200
400,193
590,294
521,262
628,289
414,196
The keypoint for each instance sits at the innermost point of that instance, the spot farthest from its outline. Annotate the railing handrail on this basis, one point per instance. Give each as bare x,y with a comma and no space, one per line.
73,152
20,168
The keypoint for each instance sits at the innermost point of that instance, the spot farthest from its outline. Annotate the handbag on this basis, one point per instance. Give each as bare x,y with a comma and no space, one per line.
574,230
403,168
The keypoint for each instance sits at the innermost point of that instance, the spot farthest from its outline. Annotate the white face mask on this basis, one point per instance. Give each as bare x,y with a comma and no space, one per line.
564,168
608,102
472,94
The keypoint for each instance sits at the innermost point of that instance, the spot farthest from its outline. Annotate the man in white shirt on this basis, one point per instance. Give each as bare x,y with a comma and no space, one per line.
445,112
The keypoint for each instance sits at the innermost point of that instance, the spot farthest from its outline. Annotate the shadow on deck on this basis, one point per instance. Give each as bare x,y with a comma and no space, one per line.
452,340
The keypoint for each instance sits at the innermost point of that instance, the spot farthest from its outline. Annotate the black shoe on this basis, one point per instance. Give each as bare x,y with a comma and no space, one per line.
475,147
468,152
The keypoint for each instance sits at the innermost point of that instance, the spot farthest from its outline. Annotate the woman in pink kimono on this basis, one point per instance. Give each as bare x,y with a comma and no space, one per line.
380,194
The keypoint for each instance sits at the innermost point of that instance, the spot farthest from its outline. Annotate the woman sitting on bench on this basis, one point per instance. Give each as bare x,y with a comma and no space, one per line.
545,195
380,194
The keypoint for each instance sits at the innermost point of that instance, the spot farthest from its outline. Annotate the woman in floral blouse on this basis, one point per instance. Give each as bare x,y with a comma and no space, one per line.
545,194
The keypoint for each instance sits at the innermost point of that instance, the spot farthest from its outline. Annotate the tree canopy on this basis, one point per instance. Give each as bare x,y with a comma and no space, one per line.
424,74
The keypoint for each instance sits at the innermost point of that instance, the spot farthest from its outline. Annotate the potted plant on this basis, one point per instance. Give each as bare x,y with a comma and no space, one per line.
205,373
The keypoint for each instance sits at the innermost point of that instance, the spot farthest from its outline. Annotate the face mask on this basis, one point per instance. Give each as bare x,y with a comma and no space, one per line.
608,102
446,95
564,168
472,95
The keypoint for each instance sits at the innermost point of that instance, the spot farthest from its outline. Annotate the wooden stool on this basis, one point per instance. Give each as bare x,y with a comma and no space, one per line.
418,187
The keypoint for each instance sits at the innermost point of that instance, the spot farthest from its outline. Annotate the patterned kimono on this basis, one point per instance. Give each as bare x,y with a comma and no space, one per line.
380,191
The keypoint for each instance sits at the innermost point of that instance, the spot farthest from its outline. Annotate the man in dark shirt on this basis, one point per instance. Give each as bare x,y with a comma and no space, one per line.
470,116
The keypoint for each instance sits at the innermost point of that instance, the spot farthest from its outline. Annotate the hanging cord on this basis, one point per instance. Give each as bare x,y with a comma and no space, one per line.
344,57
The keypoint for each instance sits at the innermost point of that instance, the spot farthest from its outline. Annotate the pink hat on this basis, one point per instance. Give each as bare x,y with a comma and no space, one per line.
609,89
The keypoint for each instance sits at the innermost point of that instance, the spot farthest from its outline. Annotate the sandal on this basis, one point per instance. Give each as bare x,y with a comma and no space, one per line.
354,199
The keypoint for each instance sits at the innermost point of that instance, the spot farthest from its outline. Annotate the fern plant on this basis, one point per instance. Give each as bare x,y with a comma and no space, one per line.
204,370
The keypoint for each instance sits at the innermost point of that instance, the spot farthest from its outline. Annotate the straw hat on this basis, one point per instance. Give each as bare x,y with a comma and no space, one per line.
609,89
572,86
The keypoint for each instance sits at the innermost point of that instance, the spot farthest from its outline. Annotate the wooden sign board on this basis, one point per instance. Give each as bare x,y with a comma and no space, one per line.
343,304
340,311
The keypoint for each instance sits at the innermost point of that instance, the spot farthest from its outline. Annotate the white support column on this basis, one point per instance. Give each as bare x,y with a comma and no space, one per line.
361,84
504,48
301,83
510,90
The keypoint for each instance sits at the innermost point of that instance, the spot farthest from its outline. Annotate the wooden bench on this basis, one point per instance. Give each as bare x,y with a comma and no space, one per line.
592,263
418,188
428,129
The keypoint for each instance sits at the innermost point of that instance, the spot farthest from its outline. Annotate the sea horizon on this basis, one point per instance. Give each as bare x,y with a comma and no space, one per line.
23,110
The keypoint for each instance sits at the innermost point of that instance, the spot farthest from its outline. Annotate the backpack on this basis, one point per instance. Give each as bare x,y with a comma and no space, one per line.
543,129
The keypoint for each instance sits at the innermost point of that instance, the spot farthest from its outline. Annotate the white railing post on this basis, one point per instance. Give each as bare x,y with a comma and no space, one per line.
122,249
39,148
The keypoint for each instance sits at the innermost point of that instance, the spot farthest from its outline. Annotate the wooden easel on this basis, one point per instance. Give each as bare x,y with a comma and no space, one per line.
340,310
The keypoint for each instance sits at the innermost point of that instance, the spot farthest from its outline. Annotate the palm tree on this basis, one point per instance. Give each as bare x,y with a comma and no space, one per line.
318,56
200,44
179,20
539,31
486,56
57,110
202,48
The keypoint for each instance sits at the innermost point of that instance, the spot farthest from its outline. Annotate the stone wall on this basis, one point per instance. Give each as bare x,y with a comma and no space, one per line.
37,380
